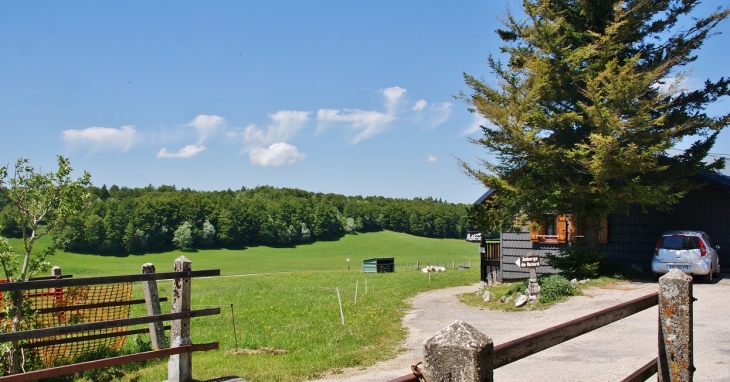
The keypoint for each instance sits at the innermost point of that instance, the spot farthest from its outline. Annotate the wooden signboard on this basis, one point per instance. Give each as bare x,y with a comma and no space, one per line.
528,261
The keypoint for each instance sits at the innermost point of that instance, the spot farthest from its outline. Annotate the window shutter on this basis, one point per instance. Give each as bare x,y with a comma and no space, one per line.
572,230
603,231
562,228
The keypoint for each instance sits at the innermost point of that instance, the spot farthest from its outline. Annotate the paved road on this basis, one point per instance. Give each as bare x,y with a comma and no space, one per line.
607,354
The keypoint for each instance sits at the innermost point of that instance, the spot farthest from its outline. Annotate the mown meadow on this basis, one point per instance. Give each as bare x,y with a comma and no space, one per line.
285,302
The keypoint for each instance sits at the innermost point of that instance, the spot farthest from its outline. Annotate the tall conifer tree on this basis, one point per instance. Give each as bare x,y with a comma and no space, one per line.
584,110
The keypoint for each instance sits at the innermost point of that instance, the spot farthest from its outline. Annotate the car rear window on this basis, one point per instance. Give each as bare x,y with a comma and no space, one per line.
679,242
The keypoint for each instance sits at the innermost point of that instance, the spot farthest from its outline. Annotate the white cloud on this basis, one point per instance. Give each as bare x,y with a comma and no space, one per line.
285,124
430,159
478,122
368,123
185,152
103,138
678,84
420,104
440,112
206,125
277,154
392,97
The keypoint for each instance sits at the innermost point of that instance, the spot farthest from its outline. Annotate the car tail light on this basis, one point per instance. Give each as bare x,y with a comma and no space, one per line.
656,247
703,250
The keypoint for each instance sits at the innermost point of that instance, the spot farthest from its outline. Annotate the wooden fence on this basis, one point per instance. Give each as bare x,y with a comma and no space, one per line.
179,351
490,262
461,353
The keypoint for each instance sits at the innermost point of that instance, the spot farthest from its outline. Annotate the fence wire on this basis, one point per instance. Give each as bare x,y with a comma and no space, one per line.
69,297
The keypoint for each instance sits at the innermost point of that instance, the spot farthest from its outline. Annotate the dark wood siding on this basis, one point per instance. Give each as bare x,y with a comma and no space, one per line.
632,236
517,244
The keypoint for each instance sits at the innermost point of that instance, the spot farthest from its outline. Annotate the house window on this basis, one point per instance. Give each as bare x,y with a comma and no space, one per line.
557,229
553,229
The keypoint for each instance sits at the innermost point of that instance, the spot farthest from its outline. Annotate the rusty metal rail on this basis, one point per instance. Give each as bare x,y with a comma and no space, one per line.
522,347
106,362
514,350
644,372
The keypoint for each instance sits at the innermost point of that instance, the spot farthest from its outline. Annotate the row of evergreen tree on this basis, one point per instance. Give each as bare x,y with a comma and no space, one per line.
141,220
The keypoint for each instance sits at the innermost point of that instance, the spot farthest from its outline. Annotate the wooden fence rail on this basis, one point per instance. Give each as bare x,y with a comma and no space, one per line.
180,366
460,350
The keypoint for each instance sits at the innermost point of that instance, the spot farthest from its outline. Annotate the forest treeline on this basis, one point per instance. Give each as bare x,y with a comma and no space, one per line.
141,220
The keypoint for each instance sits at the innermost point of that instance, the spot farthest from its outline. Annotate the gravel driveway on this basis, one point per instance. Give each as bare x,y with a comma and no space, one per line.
610,353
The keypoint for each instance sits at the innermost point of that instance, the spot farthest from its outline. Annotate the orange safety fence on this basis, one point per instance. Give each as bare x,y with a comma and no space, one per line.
68,297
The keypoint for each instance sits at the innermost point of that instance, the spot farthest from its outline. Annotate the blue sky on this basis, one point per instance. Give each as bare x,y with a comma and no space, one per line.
354,98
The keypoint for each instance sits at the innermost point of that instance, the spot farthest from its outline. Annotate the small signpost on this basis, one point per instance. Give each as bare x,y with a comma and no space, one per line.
348,263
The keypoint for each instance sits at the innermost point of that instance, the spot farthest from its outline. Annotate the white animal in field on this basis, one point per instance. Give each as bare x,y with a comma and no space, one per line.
432,268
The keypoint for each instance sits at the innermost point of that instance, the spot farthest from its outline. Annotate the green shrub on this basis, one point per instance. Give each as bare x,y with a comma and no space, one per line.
554,288
577,262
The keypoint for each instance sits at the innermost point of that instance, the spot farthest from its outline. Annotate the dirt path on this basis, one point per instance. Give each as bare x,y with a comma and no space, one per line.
607,354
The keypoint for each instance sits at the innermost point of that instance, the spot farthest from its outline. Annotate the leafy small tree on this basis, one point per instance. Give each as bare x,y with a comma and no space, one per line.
207,236
586,106
41,202
183,238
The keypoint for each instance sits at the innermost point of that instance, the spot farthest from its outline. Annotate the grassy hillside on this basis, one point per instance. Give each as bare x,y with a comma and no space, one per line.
285,302
320,256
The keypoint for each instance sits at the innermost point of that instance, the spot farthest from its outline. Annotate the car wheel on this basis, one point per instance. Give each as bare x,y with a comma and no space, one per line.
708,277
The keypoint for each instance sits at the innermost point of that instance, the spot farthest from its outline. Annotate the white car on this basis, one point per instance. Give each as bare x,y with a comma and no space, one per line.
691,252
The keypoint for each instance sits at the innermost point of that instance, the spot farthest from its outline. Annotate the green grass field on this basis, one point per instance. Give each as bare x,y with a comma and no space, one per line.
286,306
320,256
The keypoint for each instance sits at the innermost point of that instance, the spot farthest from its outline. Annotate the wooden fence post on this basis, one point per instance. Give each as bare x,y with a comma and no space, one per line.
152,302
179,368
676,361
459,352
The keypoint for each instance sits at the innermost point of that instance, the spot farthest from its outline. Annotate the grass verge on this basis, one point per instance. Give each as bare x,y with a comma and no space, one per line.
512,289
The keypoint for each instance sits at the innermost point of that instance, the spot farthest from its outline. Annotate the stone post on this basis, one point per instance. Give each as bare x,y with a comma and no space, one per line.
152,302
56,271
458,353
675,328
179,368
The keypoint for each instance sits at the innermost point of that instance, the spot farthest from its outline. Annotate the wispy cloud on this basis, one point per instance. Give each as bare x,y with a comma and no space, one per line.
367,123
206,125
267,146
185,152
430,159
438,114
678,84
477,122
103,138
284,126
277,154
393,96
420,105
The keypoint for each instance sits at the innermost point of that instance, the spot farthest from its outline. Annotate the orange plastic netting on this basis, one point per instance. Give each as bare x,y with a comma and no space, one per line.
59,353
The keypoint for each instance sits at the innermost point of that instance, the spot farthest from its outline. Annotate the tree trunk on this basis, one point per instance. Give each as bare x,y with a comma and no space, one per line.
17,321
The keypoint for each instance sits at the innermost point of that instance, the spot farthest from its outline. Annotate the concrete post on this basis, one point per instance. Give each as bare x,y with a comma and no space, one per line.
56,271
152,302
179,368
675,362
458,353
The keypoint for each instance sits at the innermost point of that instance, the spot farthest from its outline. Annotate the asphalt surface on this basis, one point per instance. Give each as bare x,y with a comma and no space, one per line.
610,353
